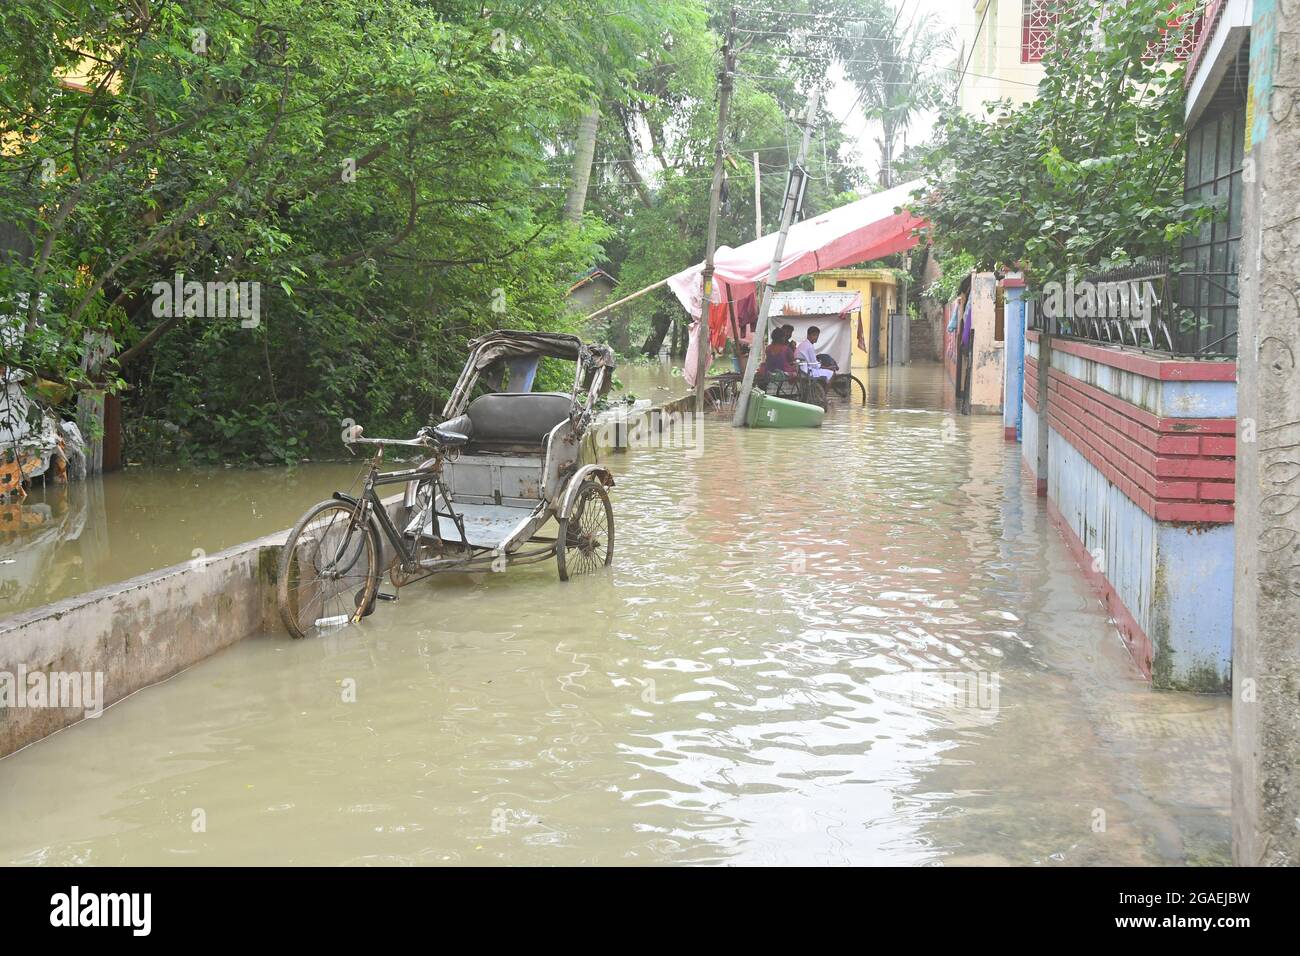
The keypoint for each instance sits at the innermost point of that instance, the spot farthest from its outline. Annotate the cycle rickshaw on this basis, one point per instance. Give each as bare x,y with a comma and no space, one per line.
501,464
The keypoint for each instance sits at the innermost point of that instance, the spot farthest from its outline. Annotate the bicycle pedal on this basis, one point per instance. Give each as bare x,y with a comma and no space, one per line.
385,597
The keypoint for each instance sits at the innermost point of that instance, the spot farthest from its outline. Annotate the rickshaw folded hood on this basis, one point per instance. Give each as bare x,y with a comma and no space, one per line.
506,344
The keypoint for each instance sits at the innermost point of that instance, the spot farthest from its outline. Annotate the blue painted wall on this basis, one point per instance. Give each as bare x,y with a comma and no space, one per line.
1014,359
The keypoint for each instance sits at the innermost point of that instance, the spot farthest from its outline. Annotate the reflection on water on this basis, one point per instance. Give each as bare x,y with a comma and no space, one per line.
859,644
68,539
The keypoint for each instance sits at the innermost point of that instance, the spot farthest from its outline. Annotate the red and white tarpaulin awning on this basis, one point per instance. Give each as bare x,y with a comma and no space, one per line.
868,229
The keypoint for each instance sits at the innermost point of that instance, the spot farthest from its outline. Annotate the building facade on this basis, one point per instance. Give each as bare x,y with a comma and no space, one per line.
1134,444
1001,51
870,324
1132,439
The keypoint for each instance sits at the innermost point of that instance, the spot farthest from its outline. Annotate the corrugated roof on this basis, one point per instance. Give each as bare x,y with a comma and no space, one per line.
815,303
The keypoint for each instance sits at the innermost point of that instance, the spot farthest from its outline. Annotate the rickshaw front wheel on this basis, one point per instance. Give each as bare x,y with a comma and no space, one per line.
329,571
585,539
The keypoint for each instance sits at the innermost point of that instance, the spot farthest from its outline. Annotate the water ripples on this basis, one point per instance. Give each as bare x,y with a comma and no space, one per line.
861,644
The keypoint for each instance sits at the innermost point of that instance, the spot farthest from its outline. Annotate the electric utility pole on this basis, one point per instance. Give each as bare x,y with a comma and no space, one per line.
793,191
725,80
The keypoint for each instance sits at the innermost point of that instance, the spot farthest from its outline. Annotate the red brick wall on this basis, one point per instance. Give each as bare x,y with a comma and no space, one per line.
1174,469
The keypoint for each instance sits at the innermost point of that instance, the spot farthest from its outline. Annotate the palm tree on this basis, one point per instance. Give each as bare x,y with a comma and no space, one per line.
896,72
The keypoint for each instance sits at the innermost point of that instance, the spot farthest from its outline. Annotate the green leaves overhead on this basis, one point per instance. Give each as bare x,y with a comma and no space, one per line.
382,169
388,174
1088,172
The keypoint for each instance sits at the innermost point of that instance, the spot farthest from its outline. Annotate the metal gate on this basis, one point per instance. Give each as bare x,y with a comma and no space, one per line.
874,357
898,344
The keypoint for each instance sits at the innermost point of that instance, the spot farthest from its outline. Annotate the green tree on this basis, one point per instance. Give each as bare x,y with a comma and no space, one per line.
381,168
654,158
893,65
1089,172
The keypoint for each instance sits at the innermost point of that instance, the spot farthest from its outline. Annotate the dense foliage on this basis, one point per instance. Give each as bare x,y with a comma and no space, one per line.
892,62
1088,173
389,175
654,158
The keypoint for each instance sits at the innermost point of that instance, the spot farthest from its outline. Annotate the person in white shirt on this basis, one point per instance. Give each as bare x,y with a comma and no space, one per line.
806,354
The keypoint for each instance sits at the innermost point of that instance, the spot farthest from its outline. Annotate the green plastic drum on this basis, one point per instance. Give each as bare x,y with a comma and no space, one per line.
767,412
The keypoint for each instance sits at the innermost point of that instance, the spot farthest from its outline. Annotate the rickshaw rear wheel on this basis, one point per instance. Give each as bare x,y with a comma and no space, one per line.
585,539
843,385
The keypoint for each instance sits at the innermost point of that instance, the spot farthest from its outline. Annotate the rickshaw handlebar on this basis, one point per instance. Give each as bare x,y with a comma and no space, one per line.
424,438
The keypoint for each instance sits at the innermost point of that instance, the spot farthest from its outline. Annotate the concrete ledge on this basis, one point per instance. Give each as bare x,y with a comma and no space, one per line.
1149,365
142,630
138,632
612,430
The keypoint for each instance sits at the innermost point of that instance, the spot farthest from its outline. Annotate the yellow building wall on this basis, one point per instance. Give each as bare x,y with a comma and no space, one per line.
869,282
78,80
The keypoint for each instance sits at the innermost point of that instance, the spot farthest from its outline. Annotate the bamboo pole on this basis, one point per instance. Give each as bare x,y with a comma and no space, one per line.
792,190
627,298
715,200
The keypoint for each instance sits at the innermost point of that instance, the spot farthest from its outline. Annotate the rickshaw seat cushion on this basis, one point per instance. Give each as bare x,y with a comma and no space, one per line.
454,433
461,424
516,417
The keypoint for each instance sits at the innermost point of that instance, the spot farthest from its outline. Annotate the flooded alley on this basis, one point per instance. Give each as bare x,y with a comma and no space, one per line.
862,644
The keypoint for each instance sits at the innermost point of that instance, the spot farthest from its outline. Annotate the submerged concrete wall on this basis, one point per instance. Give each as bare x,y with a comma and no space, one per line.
1139,480
143,630
138,632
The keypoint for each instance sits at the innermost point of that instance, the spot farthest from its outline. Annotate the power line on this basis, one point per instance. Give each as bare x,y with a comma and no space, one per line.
890,59
950,69
804,13
861,93
850,37
974,41
740,149
768,76
898,15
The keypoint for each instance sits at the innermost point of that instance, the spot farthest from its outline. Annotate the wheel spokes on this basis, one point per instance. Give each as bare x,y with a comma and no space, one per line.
327,572
587,535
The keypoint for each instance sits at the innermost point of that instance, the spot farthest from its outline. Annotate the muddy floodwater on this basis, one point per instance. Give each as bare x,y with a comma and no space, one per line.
860,644
65,540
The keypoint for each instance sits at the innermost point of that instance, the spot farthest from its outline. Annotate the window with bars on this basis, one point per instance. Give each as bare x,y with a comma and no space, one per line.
1039,18
1207,287
1180,36
1037,24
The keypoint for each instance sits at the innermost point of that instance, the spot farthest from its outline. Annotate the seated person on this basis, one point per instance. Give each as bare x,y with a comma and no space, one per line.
807,355
787,330
778,355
